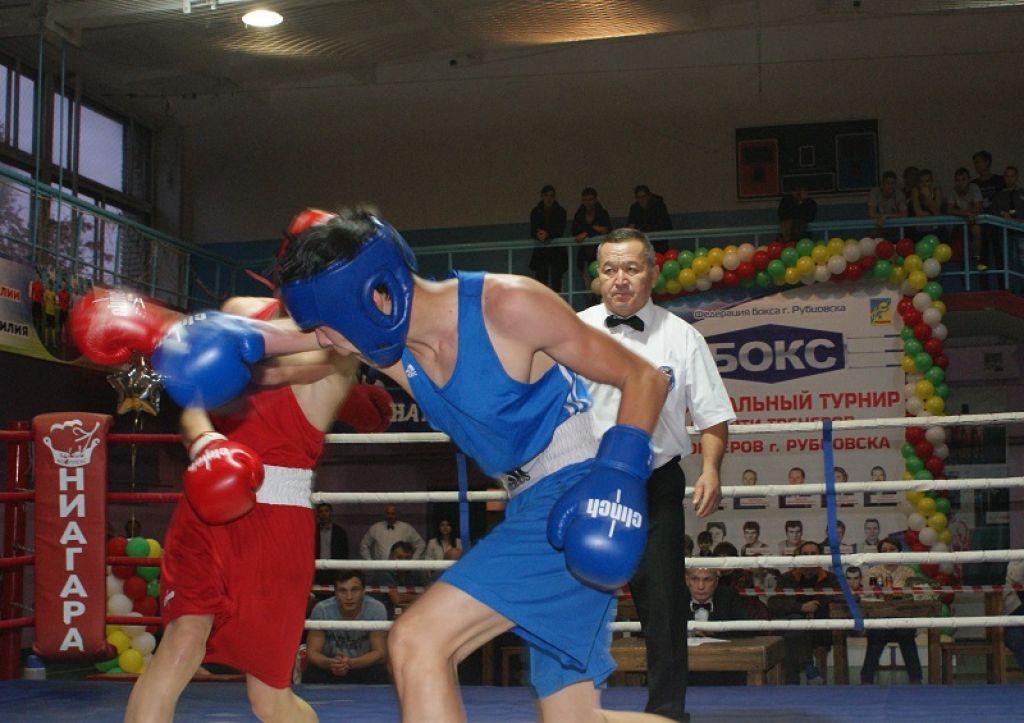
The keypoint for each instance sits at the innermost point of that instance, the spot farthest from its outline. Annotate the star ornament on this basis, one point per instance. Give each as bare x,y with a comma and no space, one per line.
138,388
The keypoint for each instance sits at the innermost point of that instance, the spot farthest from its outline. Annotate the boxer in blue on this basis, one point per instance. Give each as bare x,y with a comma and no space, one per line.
492,360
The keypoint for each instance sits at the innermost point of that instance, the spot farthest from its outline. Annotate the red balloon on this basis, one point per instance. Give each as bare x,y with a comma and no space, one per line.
854,271
922,331
933,346
936,466
947,598
923,449
885,250
912,318
867,262
930,570
789,245
904,305
761,259
914,434
746,270
123,572
671,254
659,260
910,537
774,250
730,279
135,588
147,606
944,579
918,547
904,247
116,546
941,361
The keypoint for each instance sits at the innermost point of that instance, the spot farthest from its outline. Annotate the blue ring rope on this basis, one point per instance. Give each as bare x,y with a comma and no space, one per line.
460,461
833,528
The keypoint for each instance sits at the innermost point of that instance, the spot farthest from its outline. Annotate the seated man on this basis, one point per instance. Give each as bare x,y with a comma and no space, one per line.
740,579
800,644
711,601
347,656
890,576
397,596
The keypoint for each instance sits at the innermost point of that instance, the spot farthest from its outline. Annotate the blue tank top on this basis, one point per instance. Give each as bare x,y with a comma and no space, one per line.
498,421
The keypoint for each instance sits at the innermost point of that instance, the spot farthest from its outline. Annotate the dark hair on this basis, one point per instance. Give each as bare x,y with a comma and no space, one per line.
343,575
1011,168
961,171
873,519
621,235
719,525
704,538
437,529
909,170
752,525
642,188
793,523
547,189
403,546
805,543
924,172
891,541
687,545
589,191
890,174
320,505
840,523
800,470
983,154
725,549
854,568
319,246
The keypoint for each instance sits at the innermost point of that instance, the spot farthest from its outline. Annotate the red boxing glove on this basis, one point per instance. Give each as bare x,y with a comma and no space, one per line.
367,408
107,326
222,481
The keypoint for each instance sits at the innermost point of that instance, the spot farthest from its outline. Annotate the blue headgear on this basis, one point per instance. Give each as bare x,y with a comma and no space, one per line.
341,296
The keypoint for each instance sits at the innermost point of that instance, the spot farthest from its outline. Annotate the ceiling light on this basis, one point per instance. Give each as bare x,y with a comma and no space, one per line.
262,19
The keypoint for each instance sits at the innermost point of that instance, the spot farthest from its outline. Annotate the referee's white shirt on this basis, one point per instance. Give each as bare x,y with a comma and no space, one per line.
681,353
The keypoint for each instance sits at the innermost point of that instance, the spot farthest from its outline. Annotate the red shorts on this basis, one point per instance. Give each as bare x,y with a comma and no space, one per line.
253,575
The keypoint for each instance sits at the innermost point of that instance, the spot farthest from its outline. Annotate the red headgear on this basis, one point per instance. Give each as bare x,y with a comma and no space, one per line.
303,221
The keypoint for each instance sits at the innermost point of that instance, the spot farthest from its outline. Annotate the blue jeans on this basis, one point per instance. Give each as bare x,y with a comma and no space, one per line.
1014,638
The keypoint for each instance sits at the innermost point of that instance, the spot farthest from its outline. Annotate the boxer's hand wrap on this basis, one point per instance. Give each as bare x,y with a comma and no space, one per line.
601,522
108,327
222,480
367,408
203,360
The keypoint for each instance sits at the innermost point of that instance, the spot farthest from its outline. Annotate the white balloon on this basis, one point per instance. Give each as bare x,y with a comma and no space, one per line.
941,451
851,252
931,268
921,301
119,604
144,643
947,568
731,261
904,506
939,331
914,377
935,435
914,406
940,547
931,316
690,287
928,536
746,252
867,246
808,280
715,273
821,273
906,289
916,522
836,264
132,630
115,585
909,390
703,283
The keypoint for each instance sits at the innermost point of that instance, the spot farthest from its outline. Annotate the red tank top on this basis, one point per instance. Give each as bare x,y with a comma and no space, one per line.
272,423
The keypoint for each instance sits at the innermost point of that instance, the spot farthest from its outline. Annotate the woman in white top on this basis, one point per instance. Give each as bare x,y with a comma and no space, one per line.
445,538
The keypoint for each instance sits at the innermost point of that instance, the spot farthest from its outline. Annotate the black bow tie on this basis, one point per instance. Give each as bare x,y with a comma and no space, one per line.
634,321
709,606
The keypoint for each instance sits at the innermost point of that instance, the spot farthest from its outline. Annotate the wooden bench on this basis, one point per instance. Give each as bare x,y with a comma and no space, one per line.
759,657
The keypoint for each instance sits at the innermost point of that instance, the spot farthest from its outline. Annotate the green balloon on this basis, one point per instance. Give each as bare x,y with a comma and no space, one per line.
804,247
776,268
945,611
105,666
789,256
914,464
659,285
882,269
592,269
942,505
116,670
747,283
763,279
701,251
923,474
912,347
931,493
933,289
907,450
137,547
941,390
925,248
153,589
149,573
936,375
685,259
923,361
670,269
907,333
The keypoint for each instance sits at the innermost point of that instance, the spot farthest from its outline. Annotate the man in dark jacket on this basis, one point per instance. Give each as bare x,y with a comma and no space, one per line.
649,213
547,223
714,602
331,542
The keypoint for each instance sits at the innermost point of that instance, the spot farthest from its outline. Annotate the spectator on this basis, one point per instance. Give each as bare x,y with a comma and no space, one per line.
1009,202
878,474
752,544
649,213
381,537
718,532
910,174
1013,604
886,201
687,546
347,656
704,544
591,220
445,538
710,601
748,478
547,223
398,584
800,644
890,576
36,290
872,530
796,210
926,200
794,536
989,184
740,580
331,541
796,476
965,201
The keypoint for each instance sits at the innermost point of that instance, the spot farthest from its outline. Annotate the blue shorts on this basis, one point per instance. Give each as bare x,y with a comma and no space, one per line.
516,572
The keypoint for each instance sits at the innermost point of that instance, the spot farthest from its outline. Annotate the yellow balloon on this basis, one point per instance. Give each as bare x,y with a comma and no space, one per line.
942,253
940,305
907,475
819,254
913,496
687,277
113,629
925,506
945,536
130,661
730,249
120,641
701,265
805,265
673,286
715,256
935,406
924,389
917,280
154,547
912,263
907,364
835,247
897,275
792,276
938,522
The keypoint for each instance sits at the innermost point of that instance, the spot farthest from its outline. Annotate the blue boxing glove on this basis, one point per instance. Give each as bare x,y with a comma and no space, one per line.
204,360
601,522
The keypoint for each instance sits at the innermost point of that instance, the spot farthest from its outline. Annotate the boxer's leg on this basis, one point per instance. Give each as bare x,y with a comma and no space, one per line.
581,703
277,705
